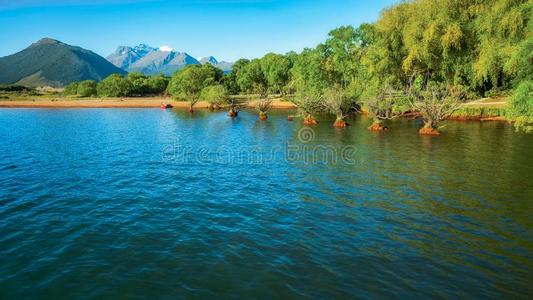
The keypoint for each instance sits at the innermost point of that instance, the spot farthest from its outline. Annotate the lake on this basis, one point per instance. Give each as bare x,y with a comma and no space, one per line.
133,203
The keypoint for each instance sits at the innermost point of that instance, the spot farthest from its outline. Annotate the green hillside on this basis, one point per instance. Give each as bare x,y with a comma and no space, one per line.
53,63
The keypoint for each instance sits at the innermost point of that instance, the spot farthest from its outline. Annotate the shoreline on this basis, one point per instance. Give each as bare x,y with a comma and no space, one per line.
118,103
155,102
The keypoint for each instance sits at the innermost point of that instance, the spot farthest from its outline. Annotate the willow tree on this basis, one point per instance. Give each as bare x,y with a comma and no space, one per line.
215,96
381,107
252,80
503,27
462,43
521,109
188,83
309,104
308,81
435,104
276,71
114,85
339,103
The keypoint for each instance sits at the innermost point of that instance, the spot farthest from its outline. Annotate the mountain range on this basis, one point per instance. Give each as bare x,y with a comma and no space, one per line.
165,60
49,62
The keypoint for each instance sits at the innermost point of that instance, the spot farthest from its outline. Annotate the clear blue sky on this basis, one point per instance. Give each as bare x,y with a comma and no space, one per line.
226,29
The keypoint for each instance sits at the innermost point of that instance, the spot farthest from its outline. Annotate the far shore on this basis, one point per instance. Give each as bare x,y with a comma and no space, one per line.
117,103
155,102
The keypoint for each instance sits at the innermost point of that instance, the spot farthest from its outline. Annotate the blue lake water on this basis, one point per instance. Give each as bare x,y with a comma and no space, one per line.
146,203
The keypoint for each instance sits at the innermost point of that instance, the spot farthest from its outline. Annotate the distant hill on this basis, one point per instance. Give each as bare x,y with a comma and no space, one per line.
209,60
223,65
49,62
149,60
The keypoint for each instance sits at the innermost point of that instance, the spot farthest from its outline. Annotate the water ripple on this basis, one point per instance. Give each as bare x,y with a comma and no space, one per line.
92,206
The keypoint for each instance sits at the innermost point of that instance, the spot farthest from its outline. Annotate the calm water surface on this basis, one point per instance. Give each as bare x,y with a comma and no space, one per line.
145,203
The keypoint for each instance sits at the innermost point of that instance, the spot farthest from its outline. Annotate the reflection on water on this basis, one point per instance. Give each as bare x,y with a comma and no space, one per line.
108,203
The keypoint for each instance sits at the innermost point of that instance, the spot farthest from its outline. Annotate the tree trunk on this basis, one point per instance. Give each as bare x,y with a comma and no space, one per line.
377,126
429,129
309,120
232,113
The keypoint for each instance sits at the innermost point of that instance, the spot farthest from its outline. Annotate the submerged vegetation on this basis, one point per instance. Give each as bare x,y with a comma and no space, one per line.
381,107
263,106
421,56
215,95
435,104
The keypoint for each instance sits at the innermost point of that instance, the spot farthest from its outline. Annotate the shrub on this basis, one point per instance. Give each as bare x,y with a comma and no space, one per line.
434,104
87,88
115,85
157,84
139,83
521,109
71,89
14,88
215,95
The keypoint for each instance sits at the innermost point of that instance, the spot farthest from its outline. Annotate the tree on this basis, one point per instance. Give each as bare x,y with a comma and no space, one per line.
252,80
157,84
521,109
339,104
276,71
237,72
115,85
87,88
229,81
381,107
188,83
215,95
434,104
263,106
309,103
139,83
71,89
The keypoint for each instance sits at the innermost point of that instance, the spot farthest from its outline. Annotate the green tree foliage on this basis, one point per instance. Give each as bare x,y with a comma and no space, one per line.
84,88
466,43
215,95
522,106
87,88
115,85
188,83
308,76
157,84
139,83
71,89
332,72
147,85
251,78
135,84
275,68
435,103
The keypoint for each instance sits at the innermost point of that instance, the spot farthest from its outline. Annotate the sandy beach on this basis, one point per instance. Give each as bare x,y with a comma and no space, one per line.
116,102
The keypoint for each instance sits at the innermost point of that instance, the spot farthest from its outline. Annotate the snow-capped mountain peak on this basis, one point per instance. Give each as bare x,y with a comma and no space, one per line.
165,59
166,49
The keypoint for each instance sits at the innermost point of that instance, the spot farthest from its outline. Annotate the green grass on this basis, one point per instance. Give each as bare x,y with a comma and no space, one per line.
479,112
